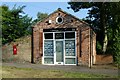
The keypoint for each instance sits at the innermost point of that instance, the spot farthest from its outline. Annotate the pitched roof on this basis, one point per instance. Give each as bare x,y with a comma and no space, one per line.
59,9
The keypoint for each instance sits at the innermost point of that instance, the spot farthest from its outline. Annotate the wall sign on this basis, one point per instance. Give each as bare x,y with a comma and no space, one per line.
59,35
59,29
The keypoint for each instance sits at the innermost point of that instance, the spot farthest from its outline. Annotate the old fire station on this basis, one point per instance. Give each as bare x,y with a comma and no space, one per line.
63,39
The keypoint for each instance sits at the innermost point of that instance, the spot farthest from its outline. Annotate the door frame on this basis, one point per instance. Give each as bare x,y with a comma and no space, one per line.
57,63
54,44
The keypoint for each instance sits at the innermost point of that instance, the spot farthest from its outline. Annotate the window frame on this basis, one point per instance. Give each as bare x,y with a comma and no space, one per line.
54,57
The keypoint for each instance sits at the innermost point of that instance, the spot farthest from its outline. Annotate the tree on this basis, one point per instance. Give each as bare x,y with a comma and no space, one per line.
104,19
115,31
99,17
40,17
14,24
26,25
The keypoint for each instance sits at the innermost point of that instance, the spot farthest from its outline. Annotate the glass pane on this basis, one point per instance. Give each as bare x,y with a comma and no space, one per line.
59,35
48,61
48,48
69,35
70,61
48,35
59,51
70,47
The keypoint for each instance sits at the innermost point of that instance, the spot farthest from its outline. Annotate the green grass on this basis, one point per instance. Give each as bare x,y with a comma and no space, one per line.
13,72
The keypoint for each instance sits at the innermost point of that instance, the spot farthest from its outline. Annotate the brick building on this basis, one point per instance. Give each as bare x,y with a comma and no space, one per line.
63,39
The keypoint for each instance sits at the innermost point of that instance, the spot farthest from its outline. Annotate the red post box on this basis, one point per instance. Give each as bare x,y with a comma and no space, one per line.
14,49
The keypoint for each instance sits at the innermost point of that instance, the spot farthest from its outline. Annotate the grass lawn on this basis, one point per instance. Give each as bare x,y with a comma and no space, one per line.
13,72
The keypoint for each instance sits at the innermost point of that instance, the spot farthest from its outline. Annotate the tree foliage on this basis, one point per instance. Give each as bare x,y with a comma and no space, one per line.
104,18
14,24
115,31
40,17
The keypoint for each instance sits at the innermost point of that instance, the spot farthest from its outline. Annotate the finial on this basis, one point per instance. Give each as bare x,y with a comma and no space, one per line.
59,8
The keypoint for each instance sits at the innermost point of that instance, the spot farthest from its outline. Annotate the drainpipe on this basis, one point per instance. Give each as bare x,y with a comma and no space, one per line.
32,47
90,48
80,42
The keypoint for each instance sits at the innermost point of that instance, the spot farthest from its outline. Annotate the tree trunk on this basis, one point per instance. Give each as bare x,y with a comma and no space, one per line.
105,42
103,22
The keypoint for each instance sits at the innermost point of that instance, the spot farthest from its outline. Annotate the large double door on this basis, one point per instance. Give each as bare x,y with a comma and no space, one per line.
58,49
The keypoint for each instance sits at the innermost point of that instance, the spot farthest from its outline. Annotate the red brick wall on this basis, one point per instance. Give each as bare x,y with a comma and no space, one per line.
69,22
104,59
84,41
36,45
23,51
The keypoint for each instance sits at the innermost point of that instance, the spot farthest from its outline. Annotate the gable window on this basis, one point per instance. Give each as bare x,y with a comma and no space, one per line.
59,20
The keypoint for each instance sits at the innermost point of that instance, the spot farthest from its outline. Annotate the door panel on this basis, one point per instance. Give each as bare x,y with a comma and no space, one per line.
59,51
48,52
